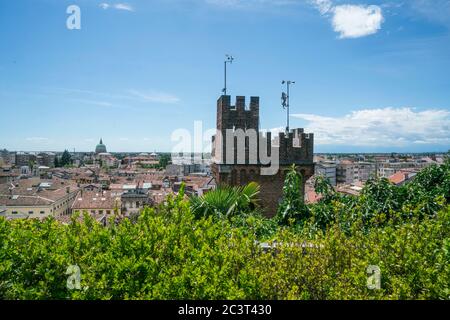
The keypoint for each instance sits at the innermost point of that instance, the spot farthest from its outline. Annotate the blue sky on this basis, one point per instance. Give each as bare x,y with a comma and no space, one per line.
371,76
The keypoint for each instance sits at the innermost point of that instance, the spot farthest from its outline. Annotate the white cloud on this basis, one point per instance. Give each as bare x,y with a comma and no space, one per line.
123,6
396,127
351,21
153,96
118,6
324,6
354,21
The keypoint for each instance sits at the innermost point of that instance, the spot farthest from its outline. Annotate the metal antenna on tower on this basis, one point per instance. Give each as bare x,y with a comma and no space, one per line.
285,100
228,59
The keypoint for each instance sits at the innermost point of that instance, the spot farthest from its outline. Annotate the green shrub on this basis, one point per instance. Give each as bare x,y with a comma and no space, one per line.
177,251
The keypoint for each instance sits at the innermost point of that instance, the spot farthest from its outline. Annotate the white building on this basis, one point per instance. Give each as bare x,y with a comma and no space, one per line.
35,198
363,171
328,170
345,172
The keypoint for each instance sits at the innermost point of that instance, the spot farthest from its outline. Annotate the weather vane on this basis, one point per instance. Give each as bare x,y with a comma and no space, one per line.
285,100
228,59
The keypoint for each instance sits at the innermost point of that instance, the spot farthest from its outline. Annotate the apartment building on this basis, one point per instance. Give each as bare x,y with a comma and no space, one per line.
328,170
46,159
363,171
134,200
345,172
36,198
24,159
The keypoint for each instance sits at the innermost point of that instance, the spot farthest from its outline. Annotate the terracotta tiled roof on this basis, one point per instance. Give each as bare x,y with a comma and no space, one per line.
401,177
28,193
87,200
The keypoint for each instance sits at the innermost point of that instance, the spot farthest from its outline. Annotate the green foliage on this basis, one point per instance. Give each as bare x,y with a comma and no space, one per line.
31,164
413,259
323,186
164,160
66,159
166,254
56,162
170,254
381,201
292,207
430,184
226,201
200,249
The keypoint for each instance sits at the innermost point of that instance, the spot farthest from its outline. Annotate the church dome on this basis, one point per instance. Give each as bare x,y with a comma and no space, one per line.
100,148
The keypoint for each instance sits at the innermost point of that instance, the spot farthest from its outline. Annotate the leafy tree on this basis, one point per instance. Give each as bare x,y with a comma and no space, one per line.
433,180
31,164
56,162
164,160
292,206
323,187
66,159
380,197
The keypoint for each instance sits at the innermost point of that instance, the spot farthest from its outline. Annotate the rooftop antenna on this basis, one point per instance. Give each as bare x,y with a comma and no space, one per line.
228,59
285,100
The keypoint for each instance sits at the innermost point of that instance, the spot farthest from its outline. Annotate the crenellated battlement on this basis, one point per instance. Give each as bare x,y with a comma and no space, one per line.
237,116
225,103
294,147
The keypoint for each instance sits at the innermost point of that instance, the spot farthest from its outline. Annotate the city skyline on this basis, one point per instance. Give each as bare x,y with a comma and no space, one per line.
370,75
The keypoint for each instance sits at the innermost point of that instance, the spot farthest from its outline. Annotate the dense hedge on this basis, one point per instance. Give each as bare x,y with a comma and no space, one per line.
170,253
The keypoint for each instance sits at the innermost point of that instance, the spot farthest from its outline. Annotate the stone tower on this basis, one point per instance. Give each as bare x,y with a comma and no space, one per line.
238,163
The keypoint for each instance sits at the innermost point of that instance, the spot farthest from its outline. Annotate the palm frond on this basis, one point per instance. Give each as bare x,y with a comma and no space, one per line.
227,201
